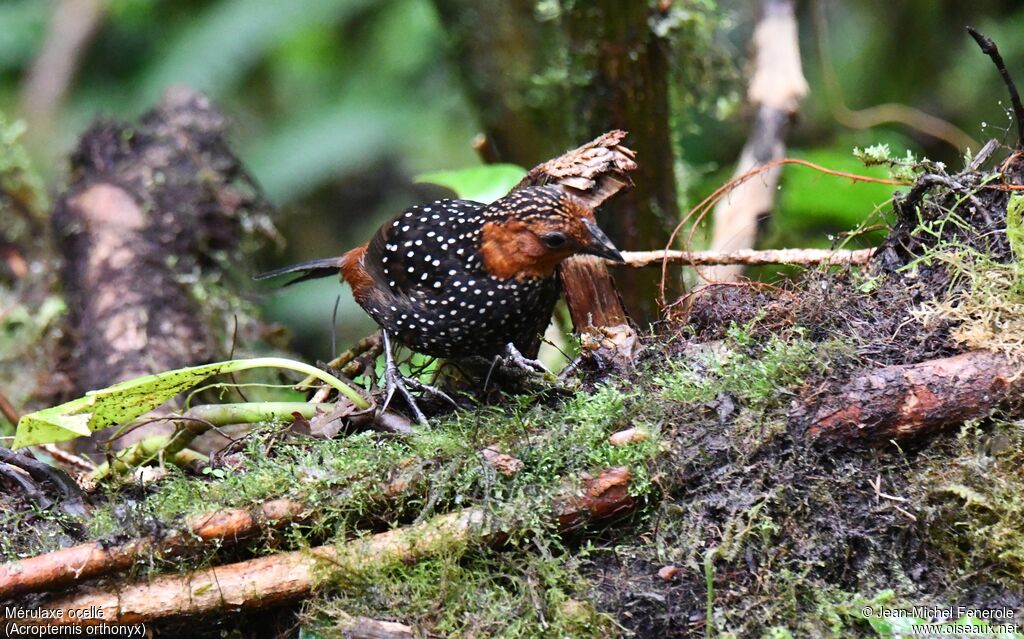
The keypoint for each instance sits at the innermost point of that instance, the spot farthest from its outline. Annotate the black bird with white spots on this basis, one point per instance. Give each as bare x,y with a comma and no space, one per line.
457,278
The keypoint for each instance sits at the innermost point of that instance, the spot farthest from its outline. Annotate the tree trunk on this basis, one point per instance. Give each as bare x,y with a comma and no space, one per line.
627,87
543,83
154,215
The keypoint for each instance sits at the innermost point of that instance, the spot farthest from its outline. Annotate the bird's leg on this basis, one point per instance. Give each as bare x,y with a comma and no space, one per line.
514,358
394,380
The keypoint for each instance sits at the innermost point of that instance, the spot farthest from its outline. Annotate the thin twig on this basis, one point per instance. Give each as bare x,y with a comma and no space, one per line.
705,206
748,257
366,344
7,409
989,48
68,459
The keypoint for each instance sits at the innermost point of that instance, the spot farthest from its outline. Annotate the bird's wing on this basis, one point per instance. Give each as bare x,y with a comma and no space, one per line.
423,249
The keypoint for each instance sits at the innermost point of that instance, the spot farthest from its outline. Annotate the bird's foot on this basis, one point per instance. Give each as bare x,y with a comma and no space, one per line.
432,390
395,381
516,359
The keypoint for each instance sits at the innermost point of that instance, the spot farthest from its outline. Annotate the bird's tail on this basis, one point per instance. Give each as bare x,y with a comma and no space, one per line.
311,270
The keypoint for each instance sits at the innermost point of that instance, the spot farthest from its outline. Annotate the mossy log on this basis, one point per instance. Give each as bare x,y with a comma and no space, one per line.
67,566
77,564
904,402
283,577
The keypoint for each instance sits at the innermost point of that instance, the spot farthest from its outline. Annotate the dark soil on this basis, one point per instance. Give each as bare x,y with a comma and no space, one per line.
790,536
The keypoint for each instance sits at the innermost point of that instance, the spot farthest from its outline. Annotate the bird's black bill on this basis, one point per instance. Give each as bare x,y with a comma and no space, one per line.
600,245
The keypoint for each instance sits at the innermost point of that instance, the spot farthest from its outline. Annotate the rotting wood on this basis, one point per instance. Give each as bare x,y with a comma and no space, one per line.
75,564
283,577
777,87
908,401
149,207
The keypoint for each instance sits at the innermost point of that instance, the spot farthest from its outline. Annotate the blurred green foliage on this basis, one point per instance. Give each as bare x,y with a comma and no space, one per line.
337,104
480,183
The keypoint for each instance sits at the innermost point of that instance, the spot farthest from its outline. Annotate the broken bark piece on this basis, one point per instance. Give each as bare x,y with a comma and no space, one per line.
504,463
669,572
153,211
283,577
628,436
590,294
902,402
593,173
75,564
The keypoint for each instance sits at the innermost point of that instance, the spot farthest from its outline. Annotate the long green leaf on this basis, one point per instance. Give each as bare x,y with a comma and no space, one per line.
127,400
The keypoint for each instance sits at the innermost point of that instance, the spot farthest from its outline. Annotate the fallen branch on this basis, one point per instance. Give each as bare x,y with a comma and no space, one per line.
777,87
68,566
901,402
749,257
71,500
148,205
283,577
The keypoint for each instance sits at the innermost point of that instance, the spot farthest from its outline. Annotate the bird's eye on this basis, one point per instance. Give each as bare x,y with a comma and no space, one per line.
554,240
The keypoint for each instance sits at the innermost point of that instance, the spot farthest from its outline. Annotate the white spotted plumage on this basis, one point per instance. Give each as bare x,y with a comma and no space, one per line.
429,258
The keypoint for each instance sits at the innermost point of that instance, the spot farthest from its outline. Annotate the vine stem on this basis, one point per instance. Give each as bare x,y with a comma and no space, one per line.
279,362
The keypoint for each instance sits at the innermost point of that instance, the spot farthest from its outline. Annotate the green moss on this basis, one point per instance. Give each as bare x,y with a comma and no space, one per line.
759,375
974,502
484,593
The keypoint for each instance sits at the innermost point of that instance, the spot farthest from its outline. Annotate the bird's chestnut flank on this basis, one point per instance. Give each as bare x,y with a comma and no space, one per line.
456,278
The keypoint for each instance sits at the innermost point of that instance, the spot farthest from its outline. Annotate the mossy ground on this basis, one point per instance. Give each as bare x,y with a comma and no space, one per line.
772,537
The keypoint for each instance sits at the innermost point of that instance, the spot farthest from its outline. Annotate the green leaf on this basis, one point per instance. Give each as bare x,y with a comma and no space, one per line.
481,183
1015,224
123,402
